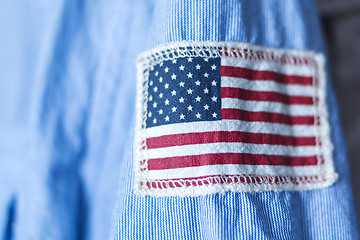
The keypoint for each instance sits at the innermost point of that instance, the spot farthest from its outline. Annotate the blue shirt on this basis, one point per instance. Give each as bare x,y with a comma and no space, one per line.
67,125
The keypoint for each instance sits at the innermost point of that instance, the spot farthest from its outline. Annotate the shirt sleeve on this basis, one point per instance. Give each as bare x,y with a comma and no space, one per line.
286,214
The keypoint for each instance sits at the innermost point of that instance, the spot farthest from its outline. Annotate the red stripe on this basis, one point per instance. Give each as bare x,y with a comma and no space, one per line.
250,74
229,158
221,179
224,136
229,92
229,113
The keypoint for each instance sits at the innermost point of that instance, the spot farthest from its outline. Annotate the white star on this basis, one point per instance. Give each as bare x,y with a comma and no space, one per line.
155,89
157,73
206,59
181,100
173,77
190,59
197,83
161,95
206,75
166,69
197,66
155,105
151,83
150,114
182,84
161,111
166,85
198,115
167,118
161,64
174,61
206,107
198,99
214,99
173,109
173,92
152,68
213,67
182,67
154,121
213,83
189,91
160,79
189,75
166,102
182,116
150,98
189,108
206,90
214,115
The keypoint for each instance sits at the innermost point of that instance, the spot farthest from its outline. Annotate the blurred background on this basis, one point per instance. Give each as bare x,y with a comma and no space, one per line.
341,24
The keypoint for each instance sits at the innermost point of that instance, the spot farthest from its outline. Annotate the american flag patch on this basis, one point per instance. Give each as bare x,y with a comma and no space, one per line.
214,117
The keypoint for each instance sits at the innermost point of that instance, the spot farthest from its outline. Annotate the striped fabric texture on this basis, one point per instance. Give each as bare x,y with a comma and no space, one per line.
325,213
220,116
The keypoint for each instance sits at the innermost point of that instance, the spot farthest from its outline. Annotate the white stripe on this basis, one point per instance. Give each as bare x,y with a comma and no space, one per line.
269,86
299,70
274,107
198,149
232,169
230,125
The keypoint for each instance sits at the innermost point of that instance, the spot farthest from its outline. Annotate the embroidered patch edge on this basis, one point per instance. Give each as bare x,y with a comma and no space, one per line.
244,182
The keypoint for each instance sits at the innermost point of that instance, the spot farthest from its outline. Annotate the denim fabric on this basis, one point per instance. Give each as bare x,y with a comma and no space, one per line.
67,91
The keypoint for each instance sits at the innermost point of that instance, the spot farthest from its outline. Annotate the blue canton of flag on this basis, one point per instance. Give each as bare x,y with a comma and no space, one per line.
184,90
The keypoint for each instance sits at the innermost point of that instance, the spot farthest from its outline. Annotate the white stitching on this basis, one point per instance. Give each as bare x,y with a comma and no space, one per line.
249,183
246,183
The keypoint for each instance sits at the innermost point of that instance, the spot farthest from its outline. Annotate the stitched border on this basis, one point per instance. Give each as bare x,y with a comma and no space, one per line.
244,182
